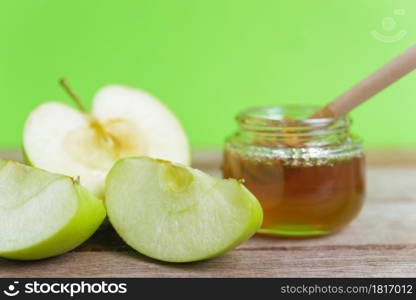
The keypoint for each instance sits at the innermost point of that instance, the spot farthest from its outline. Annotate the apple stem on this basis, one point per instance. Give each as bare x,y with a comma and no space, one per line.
71,93
93,121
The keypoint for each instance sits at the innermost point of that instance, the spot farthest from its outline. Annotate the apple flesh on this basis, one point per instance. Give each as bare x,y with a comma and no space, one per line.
124,122
43,214
174,213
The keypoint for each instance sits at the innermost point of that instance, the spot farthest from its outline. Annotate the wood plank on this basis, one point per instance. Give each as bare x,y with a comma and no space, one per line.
11,154
316,262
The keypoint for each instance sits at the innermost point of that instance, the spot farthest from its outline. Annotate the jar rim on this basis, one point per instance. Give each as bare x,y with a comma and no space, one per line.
269,126
286,116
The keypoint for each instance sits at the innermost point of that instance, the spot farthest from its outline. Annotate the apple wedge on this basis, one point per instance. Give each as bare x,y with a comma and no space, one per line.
43,214
124,122
174,213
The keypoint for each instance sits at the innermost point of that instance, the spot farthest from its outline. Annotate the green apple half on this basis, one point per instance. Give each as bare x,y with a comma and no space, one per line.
178,214
124,122
43,214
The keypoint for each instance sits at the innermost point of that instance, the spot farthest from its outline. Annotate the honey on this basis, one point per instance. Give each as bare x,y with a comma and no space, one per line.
315,186
301,199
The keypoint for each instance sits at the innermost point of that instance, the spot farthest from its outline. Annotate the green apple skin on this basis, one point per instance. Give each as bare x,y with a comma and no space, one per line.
251,229
251,226
90,213
26,158
105,224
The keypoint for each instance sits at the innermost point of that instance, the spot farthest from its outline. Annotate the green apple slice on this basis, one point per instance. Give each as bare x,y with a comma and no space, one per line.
43,214
123,122
178,214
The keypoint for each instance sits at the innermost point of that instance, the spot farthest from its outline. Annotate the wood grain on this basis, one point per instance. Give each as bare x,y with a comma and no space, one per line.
238,263
381,242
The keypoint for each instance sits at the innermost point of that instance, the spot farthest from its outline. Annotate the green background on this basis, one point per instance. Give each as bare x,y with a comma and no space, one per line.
207,59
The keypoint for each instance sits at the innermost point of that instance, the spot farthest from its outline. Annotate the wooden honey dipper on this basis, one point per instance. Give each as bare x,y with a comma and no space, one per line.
367,88
364,90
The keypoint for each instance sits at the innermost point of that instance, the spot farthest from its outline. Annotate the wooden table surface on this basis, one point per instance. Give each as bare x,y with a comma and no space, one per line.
381,242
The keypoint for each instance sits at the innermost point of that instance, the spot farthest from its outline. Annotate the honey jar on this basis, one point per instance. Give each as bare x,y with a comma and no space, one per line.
308,174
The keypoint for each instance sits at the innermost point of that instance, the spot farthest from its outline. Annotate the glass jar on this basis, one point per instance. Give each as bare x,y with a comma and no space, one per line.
308,174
